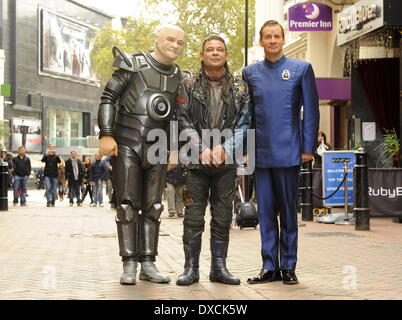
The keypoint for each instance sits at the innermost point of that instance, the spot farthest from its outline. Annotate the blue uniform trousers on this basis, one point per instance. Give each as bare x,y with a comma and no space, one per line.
277,190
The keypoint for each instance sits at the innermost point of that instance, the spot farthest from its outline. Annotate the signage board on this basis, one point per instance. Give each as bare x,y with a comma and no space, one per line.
332,176
310,16
356,20
26,133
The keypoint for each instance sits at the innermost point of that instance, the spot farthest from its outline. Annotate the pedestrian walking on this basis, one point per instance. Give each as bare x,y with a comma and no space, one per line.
213,99
98,173
51,172
61,180
21,172
74,177
279,87
87,180
175,186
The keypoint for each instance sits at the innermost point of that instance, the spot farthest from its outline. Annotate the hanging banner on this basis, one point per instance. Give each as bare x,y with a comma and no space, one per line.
310,16
385,192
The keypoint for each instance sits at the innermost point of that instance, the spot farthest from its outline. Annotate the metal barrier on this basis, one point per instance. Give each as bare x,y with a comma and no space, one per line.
361,196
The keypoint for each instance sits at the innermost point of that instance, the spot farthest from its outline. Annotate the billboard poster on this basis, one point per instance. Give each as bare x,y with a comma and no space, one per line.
26,133
310,16
65,47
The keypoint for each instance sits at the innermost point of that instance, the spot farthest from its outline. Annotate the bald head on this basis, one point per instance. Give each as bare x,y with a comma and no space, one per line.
167,28
169,44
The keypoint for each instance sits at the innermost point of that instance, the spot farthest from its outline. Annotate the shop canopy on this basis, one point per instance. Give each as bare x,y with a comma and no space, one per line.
334,88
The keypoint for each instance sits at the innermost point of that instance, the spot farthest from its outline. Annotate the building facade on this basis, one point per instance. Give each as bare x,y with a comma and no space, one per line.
320,49
54,96
343,117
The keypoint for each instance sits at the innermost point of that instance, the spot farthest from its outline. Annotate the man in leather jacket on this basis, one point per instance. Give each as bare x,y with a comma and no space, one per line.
213,99
145,87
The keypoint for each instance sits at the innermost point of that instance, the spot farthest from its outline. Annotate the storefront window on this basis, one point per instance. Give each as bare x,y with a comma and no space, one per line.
64,128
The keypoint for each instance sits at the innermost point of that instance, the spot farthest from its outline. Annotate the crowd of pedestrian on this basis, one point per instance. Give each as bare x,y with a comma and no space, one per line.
73,178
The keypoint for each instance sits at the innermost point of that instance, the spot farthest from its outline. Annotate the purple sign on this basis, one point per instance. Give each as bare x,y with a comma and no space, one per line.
310,16
334,89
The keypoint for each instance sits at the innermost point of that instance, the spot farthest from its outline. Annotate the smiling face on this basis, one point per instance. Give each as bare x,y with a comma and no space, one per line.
214,55
272,41
169,44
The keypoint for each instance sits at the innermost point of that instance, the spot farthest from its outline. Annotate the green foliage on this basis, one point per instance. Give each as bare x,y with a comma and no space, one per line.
357,146
391,147
136,36
198,18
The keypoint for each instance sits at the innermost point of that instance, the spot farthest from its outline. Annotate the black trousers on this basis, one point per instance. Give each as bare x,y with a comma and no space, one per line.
74,189
88,189
216,185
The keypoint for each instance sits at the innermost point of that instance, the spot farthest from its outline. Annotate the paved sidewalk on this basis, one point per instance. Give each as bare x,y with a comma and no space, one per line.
72,253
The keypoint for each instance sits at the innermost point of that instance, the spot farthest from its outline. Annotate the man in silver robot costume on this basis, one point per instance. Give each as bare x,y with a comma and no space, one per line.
144,87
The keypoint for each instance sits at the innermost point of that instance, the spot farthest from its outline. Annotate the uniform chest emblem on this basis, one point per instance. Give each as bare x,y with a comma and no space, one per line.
286,74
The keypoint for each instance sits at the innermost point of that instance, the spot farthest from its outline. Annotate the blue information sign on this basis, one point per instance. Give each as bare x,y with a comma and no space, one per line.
333,173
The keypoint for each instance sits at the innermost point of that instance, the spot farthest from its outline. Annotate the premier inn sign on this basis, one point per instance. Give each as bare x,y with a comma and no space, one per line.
361,18
310,16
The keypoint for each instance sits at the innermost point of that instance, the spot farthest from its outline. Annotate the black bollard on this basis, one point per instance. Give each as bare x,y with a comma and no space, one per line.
306,174
360,181
3,185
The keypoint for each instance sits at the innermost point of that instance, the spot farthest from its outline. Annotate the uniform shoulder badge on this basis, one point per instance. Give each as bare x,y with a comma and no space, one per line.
286,74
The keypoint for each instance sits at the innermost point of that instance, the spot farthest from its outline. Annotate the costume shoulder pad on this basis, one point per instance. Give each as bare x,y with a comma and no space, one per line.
123,60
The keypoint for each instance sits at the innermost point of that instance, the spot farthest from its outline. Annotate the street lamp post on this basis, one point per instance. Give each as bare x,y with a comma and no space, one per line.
246,37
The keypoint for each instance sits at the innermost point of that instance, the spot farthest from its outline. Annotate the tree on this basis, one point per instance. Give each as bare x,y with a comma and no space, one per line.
137,35
199,18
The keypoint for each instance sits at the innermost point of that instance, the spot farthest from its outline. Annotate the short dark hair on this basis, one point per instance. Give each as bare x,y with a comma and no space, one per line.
271,23
321,133
213,37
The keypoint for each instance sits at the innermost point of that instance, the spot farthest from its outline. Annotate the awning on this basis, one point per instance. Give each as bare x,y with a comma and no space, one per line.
334,88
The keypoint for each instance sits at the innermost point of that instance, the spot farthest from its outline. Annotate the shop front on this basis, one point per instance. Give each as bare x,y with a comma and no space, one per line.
370,33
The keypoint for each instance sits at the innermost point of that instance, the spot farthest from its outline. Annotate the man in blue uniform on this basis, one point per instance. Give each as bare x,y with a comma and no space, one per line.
279,88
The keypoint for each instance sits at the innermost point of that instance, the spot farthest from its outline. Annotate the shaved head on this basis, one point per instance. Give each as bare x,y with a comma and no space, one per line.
169,43
166,28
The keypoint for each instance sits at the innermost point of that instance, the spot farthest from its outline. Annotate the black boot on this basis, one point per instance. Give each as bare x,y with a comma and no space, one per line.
219,273
191,272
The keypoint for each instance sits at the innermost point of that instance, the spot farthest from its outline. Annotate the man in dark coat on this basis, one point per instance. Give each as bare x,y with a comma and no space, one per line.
51,172
74,173
213,99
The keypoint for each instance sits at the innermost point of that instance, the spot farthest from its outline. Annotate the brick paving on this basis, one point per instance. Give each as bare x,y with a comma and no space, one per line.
71,253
